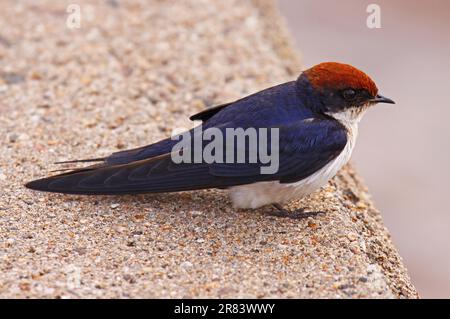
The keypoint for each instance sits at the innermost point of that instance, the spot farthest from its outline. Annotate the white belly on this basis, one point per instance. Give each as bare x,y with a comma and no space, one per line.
264,193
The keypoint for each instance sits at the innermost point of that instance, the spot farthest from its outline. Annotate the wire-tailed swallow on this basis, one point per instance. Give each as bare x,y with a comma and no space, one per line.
317,120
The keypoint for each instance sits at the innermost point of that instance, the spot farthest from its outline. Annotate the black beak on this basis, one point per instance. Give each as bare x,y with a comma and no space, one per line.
381,99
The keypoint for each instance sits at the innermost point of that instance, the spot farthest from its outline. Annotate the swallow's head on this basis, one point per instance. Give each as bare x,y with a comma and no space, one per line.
339,89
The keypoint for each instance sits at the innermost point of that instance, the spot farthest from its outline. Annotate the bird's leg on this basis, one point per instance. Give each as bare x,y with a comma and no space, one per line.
298,214
280,211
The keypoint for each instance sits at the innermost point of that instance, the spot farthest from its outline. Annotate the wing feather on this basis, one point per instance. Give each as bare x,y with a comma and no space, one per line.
305,147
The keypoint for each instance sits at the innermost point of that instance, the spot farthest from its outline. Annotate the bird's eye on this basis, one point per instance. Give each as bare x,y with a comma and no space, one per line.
349,94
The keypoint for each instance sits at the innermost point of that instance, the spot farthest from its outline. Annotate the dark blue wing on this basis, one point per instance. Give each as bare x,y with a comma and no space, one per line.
304,147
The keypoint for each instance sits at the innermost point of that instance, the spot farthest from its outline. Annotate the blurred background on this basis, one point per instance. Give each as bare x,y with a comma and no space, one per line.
403,151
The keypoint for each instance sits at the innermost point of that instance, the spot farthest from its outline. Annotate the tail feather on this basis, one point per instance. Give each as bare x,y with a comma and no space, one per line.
88,160
155,175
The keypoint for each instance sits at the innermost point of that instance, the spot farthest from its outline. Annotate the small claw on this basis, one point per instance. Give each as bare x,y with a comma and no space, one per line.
298,214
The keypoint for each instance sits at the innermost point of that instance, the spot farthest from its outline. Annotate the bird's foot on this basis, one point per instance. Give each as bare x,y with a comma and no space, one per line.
298,214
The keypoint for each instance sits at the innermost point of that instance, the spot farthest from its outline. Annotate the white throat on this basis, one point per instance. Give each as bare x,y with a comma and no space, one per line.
350,117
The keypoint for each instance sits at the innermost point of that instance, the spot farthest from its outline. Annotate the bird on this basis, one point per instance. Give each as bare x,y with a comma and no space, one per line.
316,117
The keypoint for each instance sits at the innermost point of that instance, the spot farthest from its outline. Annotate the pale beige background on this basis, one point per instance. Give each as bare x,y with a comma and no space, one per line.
403,151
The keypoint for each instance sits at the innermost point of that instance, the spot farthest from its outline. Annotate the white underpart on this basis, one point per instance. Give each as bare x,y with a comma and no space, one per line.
264,193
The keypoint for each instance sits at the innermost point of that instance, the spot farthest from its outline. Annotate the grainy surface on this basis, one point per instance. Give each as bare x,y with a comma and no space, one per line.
134,71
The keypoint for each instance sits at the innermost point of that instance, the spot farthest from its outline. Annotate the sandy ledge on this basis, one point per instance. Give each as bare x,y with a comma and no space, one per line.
134,71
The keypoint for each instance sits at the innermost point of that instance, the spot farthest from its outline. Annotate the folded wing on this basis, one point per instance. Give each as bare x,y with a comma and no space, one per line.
304,147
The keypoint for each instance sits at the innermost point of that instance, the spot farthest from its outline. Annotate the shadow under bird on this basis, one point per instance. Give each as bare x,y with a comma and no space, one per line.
317,119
